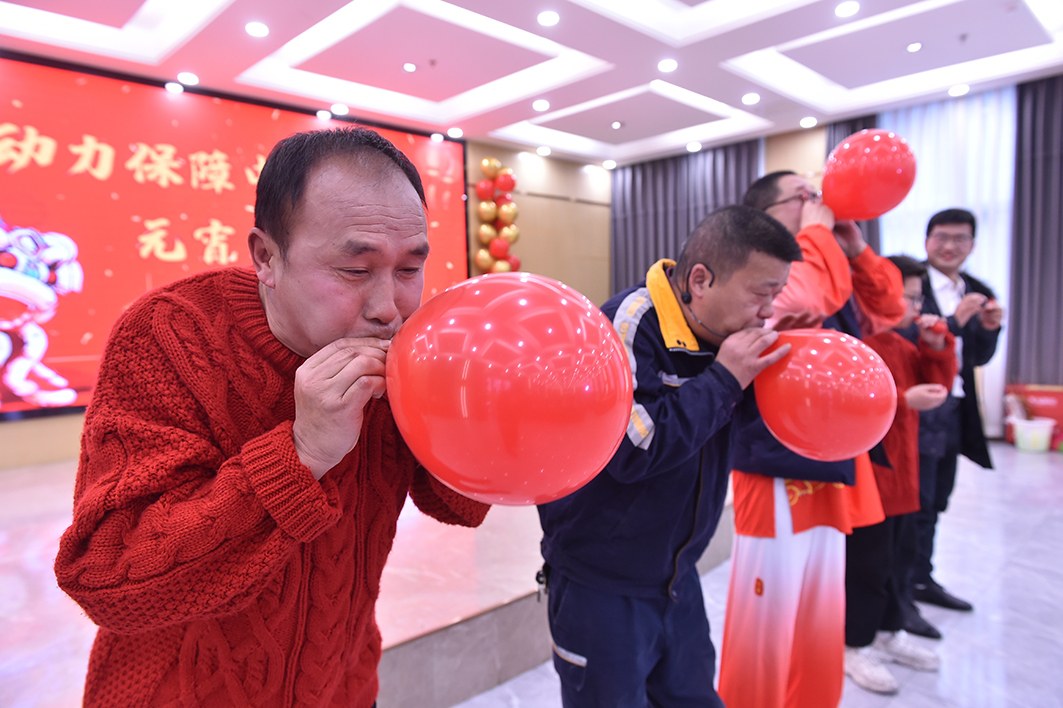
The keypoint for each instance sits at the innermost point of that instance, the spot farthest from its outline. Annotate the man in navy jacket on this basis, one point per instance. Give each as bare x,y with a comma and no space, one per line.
625,605
974,316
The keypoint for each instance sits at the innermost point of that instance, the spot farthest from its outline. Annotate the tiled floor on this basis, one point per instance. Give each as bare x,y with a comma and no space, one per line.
999,547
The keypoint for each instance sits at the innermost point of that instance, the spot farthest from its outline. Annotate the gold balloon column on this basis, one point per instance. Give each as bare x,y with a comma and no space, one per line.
497,213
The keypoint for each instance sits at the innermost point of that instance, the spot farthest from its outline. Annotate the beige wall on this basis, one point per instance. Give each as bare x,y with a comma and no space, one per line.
803,152
39,440
563,215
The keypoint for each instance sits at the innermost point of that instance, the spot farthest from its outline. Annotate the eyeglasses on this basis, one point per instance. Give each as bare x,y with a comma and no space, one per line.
803,196
916,300
955,239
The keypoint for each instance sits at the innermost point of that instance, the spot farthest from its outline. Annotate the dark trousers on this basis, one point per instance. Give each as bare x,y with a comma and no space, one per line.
937,478
632,652
874,597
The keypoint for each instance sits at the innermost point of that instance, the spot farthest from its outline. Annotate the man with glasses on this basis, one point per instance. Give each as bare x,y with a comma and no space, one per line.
784,633
974,316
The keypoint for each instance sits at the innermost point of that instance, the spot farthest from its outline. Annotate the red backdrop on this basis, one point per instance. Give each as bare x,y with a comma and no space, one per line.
151,186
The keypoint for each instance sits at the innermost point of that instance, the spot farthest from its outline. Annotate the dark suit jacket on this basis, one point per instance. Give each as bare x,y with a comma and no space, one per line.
979,345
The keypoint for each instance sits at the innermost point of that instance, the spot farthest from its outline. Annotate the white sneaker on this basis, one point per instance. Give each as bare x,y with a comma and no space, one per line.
868,672
897,647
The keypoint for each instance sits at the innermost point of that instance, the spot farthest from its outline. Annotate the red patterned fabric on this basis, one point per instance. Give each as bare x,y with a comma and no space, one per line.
220,572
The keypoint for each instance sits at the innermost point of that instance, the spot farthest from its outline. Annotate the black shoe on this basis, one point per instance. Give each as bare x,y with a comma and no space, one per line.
934,594
914,623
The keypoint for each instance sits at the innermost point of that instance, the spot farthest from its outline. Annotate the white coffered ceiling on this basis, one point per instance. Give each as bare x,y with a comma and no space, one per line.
480,64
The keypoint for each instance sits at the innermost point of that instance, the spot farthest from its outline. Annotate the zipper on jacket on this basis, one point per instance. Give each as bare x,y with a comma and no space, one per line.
693,525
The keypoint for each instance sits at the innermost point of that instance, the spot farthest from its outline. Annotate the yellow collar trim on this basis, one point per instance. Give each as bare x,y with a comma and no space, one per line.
675,331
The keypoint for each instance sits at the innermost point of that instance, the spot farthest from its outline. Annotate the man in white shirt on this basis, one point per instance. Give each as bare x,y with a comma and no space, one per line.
974,316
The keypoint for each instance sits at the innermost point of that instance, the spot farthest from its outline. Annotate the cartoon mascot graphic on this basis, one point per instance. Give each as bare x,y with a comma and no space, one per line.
35,269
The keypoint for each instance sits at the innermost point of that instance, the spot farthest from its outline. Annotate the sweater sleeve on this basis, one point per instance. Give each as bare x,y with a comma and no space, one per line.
167,528
938,365
820,284
444,504
879,291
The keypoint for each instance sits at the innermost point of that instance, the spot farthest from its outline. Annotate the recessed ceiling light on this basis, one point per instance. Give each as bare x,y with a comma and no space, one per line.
256,29
548,18
324,115
339,109
751,99
543,151
847,8
455,133
437,137
616,125
667,66
540,105
959,90
914,47
188,78
609,164
693,146
809,122
409,67
174,87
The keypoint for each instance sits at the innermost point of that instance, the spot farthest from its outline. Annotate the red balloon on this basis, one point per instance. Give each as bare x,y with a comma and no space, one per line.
505,181
504,198
514,261
867,174
485,189
510,388
831,398
499,248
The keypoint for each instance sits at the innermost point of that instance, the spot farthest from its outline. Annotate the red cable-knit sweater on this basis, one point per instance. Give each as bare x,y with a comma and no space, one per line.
220,572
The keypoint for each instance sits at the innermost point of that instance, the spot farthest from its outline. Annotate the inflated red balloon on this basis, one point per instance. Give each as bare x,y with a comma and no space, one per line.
867,174
505,181
485,189
831,398
510,388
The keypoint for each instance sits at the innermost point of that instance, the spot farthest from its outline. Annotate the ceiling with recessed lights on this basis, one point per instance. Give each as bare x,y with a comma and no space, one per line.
624,80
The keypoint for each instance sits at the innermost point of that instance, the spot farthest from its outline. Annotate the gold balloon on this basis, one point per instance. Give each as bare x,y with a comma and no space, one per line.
487,211
490,167
507,213
486,233
501,267
511,233
484,260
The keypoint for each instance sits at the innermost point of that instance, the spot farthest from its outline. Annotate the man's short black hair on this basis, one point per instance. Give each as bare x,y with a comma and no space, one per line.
951,216
282,183
724,239
908,266
765,190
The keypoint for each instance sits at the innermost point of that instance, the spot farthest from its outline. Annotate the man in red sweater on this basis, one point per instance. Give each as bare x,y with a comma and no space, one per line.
241,475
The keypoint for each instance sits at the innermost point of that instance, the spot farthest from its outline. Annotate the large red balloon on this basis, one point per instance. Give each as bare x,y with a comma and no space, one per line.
510,388
831,398
867,174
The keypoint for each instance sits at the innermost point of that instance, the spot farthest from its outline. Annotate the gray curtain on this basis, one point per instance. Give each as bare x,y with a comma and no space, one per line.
656,205
1035,314
836,132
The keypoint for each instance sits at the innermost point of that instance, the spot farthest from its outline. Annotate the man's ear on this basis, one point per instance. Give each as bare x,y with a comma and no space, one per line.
265,255
700,279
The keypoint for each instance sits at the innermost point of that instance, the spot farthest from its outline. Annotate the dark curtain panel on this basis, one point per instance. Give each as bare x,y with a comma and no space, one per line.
656,205
1035,350
836,132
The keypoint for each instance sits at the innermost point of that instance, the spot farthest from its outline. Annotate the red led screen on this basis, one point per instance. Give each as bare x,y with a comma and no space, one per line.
109,188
